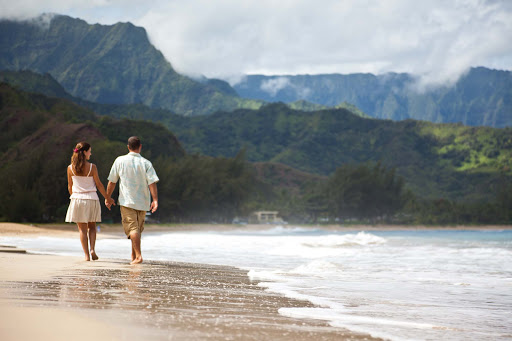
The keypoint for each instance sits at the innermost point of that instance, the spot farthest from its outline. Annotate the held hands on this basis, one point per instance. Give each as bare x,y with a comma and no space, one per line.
154,206
109,202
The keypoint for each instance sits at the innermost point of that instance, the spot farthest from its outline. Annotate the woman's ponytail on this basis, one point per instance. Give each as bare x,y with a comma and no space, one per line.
78,158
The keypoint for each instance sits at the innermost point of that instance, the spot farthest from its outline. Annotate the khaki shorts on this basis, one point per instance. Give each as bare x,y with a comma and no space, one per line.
133,220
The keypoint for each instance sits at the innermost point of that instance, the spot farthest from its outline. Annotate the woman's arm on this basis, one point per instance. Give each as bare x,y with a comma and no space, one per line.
70,182
99,185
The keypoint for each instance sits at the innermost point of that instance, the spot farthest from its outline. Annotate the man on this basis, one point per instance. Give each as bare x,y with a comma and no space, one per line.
137,175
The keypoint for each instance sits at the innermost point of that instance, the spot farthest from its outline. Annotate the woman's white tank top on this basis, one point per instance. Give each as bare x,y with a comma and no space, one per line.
84,187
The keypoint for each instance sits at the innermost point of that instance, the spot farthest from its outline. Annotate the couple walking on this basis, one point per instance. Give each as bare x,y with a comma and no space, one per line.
137,181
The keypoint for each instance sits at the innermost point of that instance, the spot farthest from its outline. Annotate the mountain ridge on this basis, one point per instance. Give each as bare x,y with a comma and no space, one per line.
438,160
480,97
112,64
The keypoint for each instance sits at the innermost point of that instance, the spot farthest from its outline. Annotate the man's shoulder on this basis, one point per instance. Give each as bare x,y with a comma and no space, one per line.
144,160
121,158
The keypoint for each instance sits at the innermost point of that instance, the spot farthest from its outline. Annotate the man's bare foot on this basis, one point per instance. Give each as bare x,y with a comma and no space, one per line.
133,257
87,259
136,261
94,256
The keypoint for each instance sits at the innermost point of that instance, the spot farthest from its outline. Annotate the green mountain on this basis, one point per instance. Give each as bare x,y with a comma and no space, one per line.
437,160
116,64
30,81
109,64
38,136
39,133
480,97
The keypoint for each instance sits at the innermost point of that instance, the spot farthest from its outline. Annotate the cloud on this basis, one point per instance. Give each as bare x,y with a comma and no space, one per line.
274,85
435,40
94,11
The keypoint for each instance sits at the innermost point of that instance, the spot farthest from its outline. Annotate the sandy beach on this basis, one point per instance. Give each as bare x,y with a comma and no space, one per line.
45,297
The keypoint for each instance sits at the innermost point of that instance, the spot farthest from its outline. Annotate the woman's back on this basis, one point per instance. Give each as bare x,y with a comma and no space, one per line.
84,186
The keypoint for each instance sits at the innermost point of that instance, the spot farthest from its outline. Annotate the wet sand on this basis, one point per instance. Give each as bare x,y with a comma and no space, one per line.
44,297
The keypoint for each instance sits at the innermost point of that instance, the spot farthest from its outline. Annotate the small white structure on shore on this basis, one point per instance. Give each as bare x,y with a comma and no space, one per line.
265,217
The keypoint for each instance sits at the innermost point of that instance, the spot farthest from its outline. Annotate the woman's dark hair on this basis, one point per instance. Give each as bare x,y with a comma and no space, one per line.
134,143
78,157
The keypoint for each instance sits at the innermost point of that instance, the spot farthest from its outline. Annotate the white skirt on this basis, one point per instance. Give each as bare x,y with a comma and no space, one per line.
83,211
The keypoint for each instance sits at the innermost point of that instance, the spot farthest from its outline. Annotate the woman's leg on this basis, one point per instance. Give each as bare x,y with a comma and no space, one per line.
82,228
92,239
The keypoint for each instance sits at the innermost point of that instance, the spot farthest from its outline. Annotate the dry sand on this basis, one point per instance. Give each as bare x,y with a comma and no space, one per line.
45,297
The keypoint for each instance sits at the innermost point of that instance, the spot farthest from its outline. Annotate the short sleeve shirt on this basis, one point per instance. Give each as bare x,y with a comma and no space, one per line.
136,174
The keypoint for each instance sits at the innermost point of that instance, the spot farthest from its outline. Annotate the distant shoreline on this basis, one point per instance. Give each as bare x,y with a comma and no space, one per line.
116,230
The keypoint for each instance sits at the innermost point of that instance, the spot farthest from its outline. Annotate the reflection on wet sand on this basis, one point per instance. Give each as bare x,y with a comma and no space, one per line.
177,301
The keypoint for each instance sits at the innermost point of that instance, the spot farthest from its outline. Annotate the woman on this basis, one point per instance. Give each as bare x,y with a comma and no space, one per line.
84,208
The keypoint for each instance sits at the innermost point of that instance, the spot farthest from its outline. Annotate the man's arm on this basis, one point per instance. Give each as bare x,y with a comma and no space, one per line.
154,194
110,189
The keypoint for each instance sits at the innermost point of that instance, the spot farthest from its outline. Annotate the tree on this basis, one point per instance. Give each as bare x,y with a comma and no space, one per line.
365,191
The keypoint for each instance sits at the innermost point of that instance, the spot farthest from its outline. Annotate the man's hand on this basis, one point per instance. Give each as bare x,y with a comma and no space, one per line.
154,195
109,202
154,206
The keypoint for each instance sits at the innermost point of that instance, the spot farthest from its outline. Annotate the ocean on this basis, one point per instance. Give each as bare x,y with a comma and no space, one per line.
398,285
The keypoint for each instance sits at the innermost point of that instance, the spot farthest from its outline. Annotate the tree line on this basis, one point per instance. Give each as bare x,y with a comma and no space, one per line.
40,132
199,189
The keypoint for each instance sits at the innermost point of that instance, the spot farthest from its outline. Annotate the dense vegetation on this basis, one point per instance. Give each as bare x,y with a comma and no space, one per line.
109,64
365,192
480,97
428,173
448,161
39,134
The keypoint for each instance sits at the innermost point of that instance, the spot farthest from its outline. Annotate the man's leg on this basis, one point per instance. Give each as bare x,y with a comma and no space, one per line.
127,216
135,238
92,239
84,240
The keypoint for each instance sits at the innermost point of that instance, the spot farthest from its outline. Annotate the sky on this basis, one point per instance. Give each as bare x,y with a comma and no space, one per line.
436,40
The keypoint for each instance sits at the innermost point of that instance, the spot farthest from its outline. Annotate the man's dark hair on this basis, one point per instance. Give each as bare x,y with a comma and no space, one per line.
134,143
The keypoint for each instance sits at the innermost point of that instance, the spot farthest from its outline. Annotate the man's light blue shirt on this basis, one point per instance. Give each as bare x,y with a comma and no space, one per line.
136,174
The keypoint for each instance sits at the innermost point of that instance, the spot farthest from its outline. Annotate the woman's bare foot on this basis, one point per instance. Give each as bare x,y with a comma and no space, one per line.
94,255
87,258
136,261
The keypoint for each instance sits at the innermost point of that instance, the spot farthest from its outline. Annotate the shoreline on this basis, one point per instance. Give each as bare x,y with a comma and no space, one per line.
48,297
116,230
158,300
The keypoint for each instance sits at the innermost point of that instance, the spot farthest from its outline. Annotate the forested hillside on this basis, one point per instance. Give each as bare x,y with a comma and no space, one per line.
437,160
39,134
446,172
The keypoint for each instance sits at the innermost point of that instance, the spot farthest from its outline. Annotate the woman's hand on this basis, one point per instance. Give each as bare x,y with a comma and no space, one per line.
109,202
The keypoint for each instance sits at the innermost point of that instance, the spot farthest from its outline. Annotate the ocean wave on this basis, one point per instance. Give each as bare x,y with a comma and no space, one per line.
359,324
316,268
334,241
279,230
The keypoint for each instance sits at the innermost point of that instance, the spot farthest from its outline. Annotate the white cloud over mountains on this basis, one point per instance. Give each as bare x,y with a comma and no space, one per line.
272,86
436,40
